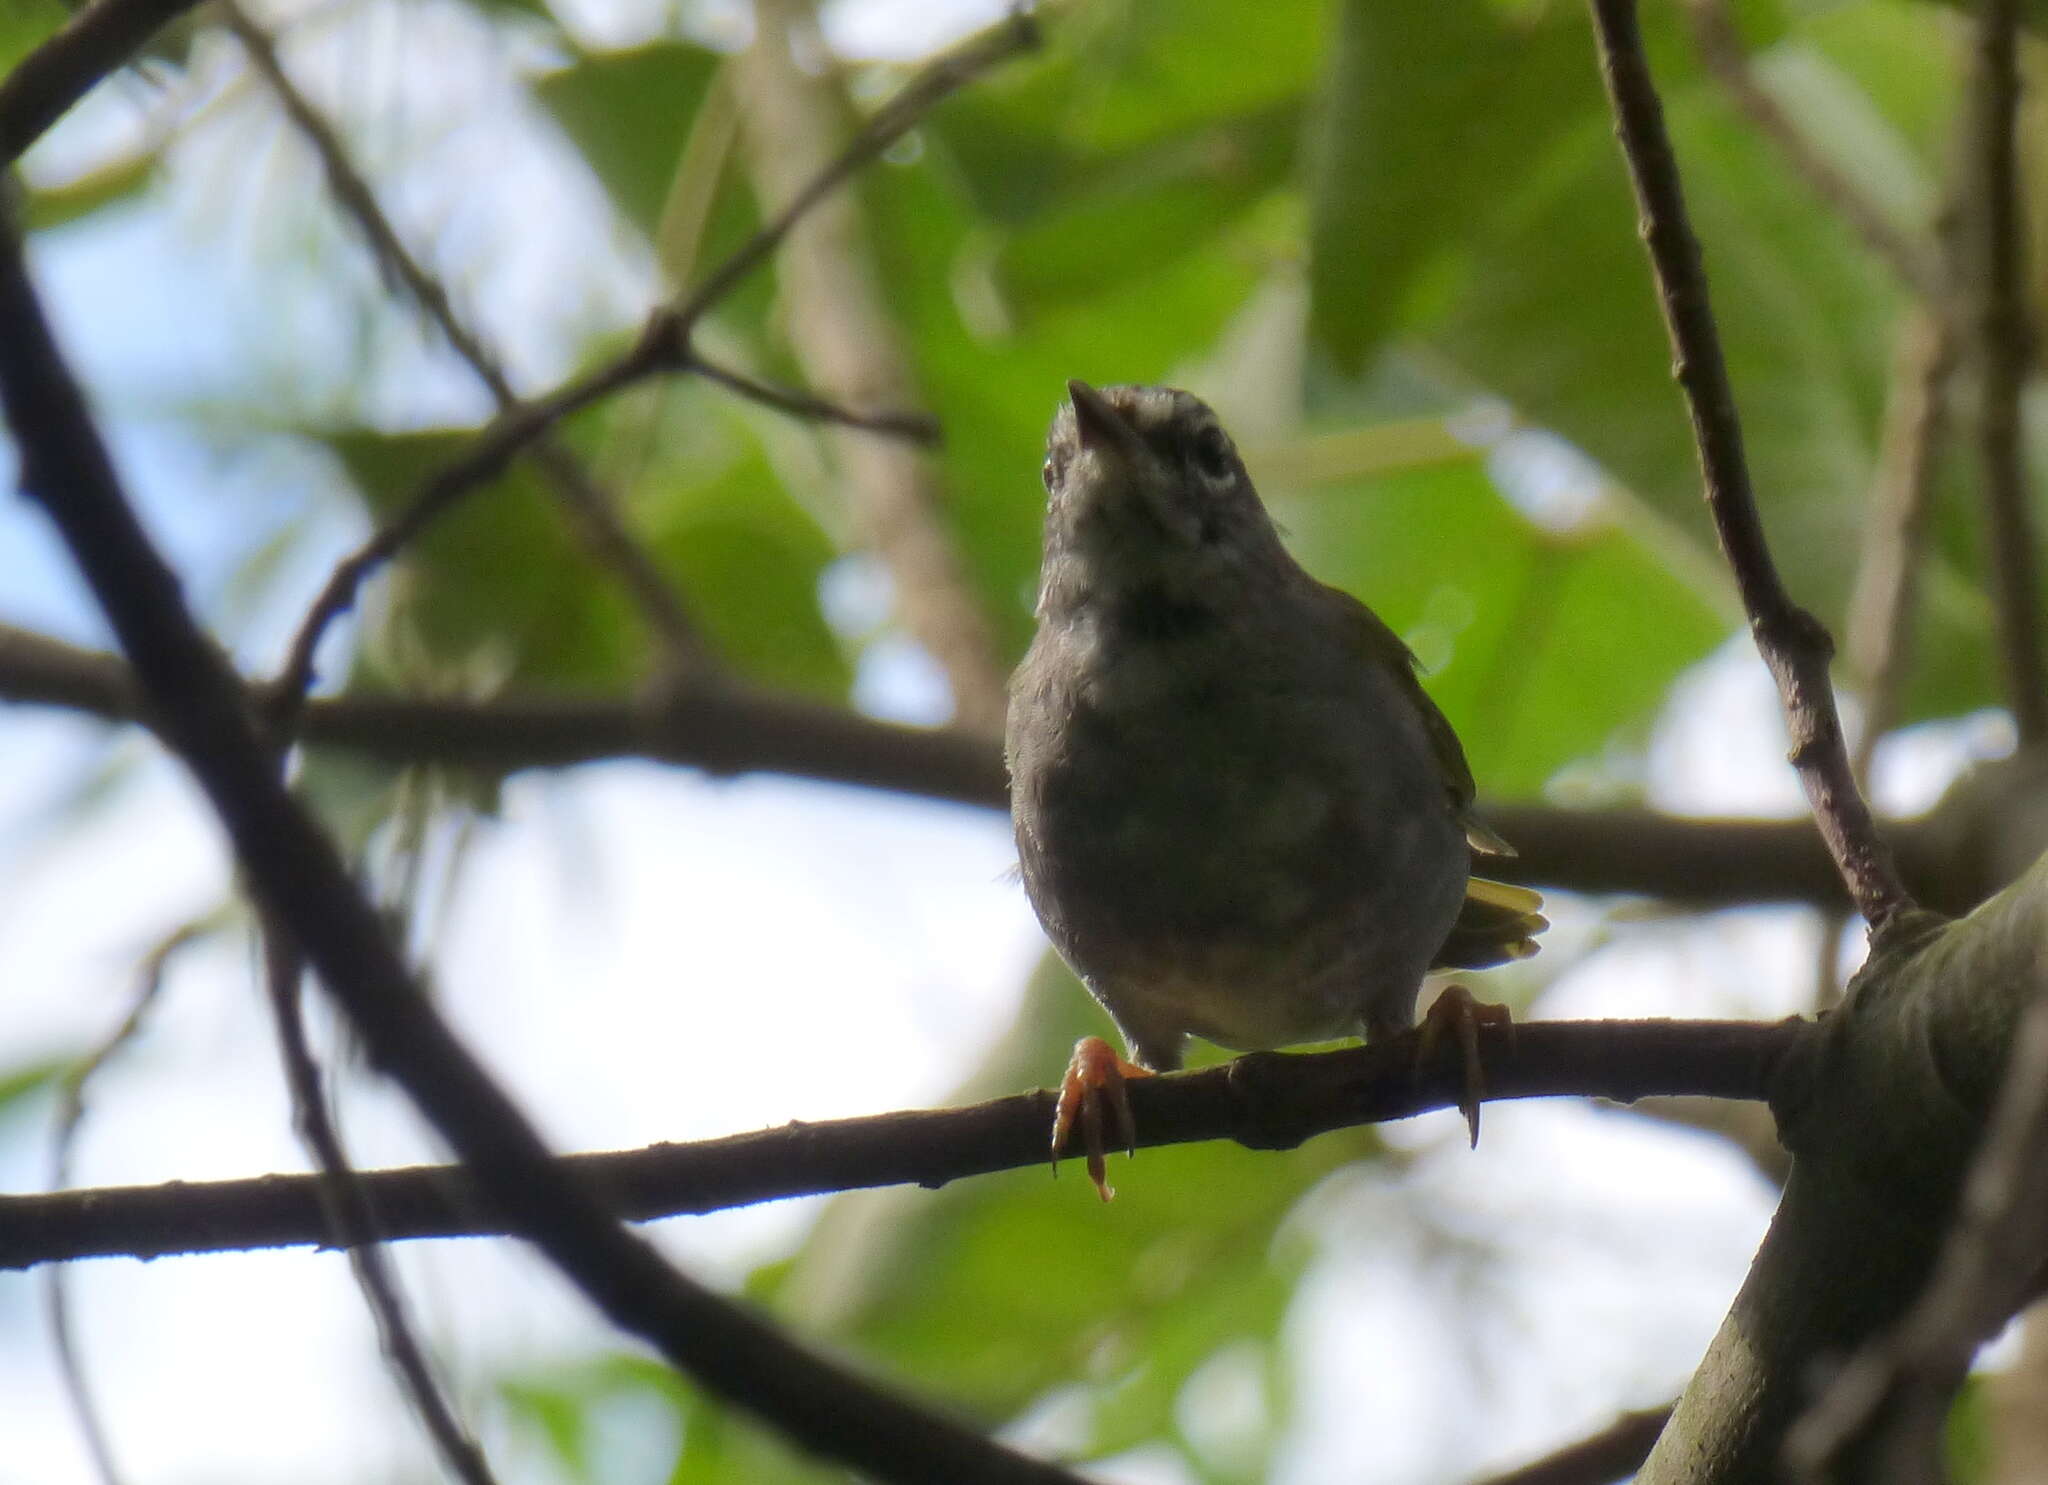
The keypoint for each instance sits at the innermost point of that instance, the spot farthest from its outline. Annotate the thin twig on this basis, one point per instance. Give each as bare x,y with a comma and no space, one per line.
96,42
663,348
351,1222
296,874
935,82
1794,644
847,341
1885,597
2004,345
1264,1101
1614,1453
1722,50
592,513
917,427
71,1108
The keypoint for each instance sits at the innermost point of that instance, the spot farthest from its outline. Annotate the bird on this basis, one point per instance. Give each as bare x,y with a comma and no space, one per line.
1238,814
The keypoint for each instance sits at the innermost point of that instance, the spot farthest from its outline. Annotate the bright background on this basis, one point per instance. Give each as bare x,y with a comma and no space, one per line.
645,954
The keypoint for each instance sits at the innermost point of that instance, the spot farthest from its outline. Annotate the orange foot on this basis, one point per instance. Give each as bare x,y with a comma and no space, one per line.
1095,1077
1455,1012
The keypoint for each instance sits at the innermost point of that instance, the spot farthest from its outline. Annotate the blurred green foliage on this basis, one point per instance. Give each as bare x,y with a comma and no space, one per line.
1341,221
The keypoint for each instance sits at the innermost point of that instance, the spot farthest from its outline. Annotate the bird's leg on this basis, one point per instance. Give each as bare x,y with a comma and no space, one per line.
1456,1012
1095,1076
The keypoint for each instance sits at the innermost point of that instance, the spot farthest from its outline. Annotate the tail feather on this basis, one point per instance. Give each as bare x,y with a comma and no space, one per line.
1498,924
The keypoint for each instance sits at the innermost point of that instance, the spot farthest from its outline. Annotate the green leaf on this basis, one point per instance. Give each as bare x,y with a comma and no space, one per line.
492,592
45,207
1541,646
1430,114
629,113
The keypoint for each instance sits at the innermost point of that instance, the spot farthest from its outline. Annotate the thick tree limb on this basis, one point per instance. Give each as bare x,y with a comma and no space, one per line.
295,873
95,43
736,730
1266,1100
1793,643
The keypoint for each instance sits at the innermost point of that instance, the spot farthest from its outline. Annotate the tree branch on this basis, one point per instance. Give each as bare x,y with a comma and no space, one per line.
847,343
731,730
1721,49
593,515
1793,643
1268,1100
351,1222
295,873
2004,346
97,41
1614,1453
664,347
1885,597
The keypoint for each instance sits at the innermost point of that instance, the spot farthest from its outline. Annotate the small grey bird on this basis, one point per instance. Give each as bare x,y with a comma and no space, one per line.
1238,814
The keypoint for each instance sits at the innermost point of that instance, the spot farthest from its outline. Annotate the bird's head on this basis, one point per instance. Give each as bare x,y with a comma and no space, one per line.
1145,487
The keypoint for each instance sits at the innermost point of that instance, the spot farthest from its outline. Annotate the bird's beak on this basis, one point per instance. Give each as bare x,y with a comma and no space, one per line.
1101,427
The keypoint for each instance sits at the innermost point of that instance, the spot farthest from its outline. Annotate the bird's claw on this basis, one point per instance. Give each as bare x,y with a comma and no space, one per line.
1095,1076
1457,1012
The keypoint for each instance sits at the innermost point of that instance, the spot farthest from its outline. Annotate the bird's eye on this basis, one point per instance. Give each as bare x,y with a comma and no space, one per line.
1210,453
1050,473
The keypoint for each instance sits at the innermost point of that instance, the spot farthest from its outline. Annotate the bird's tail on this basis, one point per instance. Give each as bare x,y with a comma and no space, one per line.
1497,925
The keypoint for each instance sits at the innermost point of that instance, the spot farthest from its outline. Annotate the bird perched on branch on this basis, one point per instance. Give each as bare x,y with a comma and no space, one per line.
1238,814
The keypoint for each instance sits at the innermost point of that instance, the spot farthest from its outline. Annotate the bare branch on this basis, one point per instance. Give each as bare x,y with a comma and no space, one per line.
71,1109
2004,346
1271,1100
98,40
664,347
731,730
1614,1453
295,873
1722,50
847,341
1885,597
1882,1417
593,515
351,1221
1793,643
915,426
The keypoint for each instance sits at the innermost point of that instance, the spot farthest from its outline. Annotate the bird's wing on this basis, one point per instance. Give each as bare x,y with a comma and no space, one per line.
1377,642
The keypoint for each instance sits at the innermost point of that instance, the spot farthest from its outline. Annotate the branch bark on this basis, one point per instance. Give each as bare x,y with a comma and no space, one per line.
1793,643
295,873
1268,1100
95,43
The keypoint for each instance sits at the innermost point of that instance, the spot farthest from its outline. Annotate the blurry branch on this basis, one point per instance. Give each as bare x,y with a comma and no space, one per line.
1725,57
665,345
296,875
593,516
1882,1417
71,1109
844,337
1885,597
1269,1100
1614,1453
351,1222
1793,643
1955,857
2004,346
96,42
